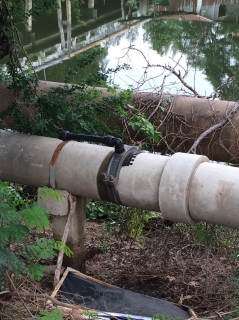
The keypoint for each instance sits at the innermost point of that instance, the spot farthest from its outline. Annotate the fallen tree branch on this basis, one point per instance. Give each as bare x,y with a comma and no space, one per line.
214,128
172,70
160,100
18,294
72,203
25,294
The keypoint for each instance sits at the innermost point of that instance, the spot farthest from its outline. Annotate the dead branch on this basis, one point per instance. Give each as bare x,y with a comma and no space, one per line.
177,74
18,294
160,100
26,294
72,203
214,128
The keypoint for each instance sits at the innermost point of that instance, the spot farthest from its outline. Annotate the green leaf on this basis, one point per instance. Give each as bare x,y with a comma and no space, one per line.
35,217
35,271
49,193
10,262
58,245
9,214
42,250
51,315
14,233
157,135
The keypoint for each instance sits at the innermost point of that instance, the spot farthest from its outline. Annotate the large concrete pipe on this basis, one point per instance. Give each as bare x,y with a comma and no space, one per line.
183,187
181,120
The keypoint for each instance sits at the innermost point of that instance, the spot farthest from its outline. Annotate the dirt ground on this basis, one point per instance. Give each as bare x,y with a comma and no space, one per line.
170,266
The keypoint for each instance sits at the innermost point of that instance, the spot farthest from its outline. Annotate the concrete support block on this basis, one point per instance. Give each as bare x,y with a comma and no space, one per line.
54,207
175,185
75,241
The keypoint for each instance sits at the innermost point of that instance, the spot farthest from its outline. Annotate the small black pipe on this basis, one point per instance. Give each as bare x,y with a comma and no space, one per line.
109,141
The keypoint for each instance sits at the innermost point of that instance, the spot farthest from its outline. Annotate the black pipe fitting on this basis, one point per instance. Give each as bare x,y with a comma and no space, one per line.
109,141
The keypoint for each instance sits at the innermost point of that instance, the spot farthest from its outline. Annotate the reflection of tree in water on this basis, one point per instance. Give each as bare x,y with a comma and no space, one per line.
132,35
212,48
222,10
115,41
83,67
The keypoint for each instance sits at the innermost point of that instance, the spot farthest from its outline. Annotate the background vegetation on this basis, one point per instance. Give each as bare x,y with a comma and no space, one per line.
88,115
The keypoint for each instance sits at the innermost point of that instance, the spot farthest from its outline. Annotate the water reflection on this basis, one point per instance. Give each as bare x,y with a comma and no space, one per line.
178,5
224,11
217,10
28,5
115,26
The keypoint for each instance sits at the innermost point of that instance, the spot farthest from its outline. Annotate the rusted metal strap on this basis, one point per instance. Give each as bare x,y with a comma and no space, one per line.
53,163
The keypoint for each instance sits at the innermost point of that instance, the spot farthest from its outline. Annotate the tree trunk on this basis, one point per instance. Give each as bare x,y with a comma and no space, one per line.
181,120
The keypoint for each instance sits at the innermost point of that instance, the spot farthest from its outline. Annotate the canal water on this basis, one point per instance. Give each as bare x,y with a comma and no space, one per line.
195,39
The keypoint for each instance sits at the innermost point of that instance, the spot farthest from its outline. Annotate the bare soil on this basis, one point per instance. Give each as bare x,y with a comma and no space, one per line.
170,265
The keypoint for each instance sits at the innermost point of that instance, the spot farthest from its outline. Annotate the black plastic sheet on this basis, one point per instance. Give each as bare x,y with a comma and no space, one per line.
90,294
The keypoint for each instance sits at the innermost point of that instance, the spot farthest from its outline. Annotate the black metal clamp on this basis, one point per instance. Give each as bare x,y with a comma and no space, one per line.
124,155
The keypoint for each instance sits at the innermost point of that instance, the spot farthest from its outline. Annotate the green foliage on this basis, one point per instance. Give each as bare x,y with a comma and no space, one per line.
162,317
14,196
232,315
47,193
141,123
90,314
51,315
205,235
213,236
35,217
15,226
9,262
58,245
35,271
42,250
235,289
100,210
129,223
50,112
199,43
133,3
121,220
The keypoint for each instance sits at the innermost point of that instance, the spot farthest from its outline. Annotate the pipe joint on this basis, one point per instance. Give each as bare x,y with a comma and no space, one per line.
175,185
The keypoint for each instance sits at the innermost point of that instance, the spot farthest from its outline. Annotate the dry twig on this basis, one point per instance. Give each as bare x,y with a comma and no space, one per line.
214,128
17,293
72,203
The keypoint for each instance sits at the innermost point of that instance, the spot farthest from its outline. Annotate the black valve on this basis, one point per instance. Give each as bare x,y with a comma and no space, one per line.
109,141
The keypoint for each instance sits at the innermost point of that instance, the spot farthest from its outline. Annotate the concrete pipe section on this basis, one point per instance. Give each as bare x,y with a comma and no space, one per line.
183,187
